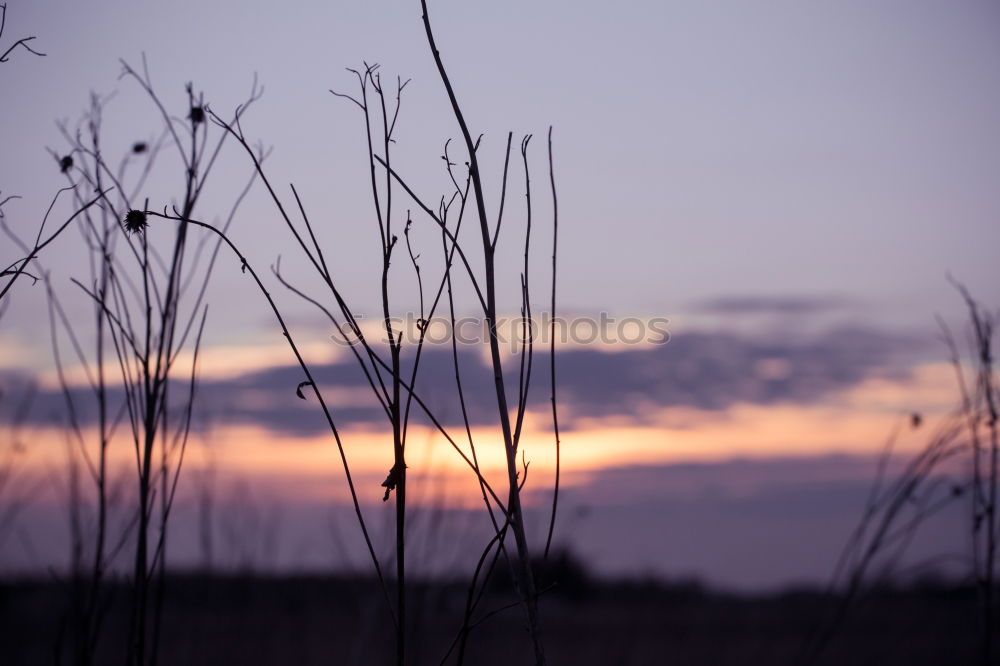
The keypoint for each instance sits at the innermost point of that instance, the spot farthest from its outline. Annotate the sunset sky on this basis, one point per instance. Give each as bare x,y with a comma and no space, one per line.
789,184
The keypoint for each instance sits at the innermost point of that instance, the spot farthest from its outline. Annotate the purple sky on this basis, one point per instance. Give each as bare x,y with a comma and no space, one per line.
780,179
703,150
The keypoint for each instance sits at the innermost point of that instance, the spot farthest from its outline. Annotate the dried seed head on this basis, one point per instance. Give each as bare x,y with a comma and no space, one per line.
135,222
197,115
139,147
66,163
391,481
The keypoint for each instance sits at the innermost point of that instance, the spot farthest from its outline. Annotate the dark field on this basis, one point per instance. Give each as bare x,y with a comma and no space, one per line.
324,620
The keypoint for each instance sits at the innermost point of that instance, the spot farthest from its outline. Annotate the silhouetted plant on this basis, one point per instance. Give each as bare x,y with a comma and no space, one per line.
18,267
149,307
396,390
897,507
980,394
23,42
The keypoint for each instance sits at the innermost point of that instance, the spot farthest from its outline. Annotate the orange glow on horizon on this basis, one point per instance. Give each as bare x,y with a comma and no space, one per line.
309,468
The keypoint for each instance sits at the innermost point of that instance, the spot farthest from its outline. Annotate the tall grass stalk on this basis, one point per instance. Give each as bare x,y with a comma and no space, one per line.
148,308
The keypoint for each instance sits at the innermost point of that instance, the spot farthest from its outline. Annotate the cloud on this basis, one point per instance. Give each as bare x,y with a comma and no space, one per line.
751,524
738,524
708,370
771,305
714,370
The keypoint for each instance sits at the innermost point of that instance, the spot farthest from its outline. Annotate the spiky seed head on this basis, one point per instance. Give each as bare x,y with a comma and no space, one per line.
139,147
135,222
66,163
197,115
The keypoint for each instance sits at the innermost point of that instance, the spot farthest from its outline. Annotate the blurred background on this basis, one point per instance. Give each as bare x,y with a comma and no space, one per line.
760,206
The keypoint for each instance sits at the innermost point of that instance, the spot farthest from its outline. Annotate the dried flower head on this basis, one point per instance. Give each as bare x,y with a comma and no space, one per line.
197,115
135,222
391,482
66,163
139,147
